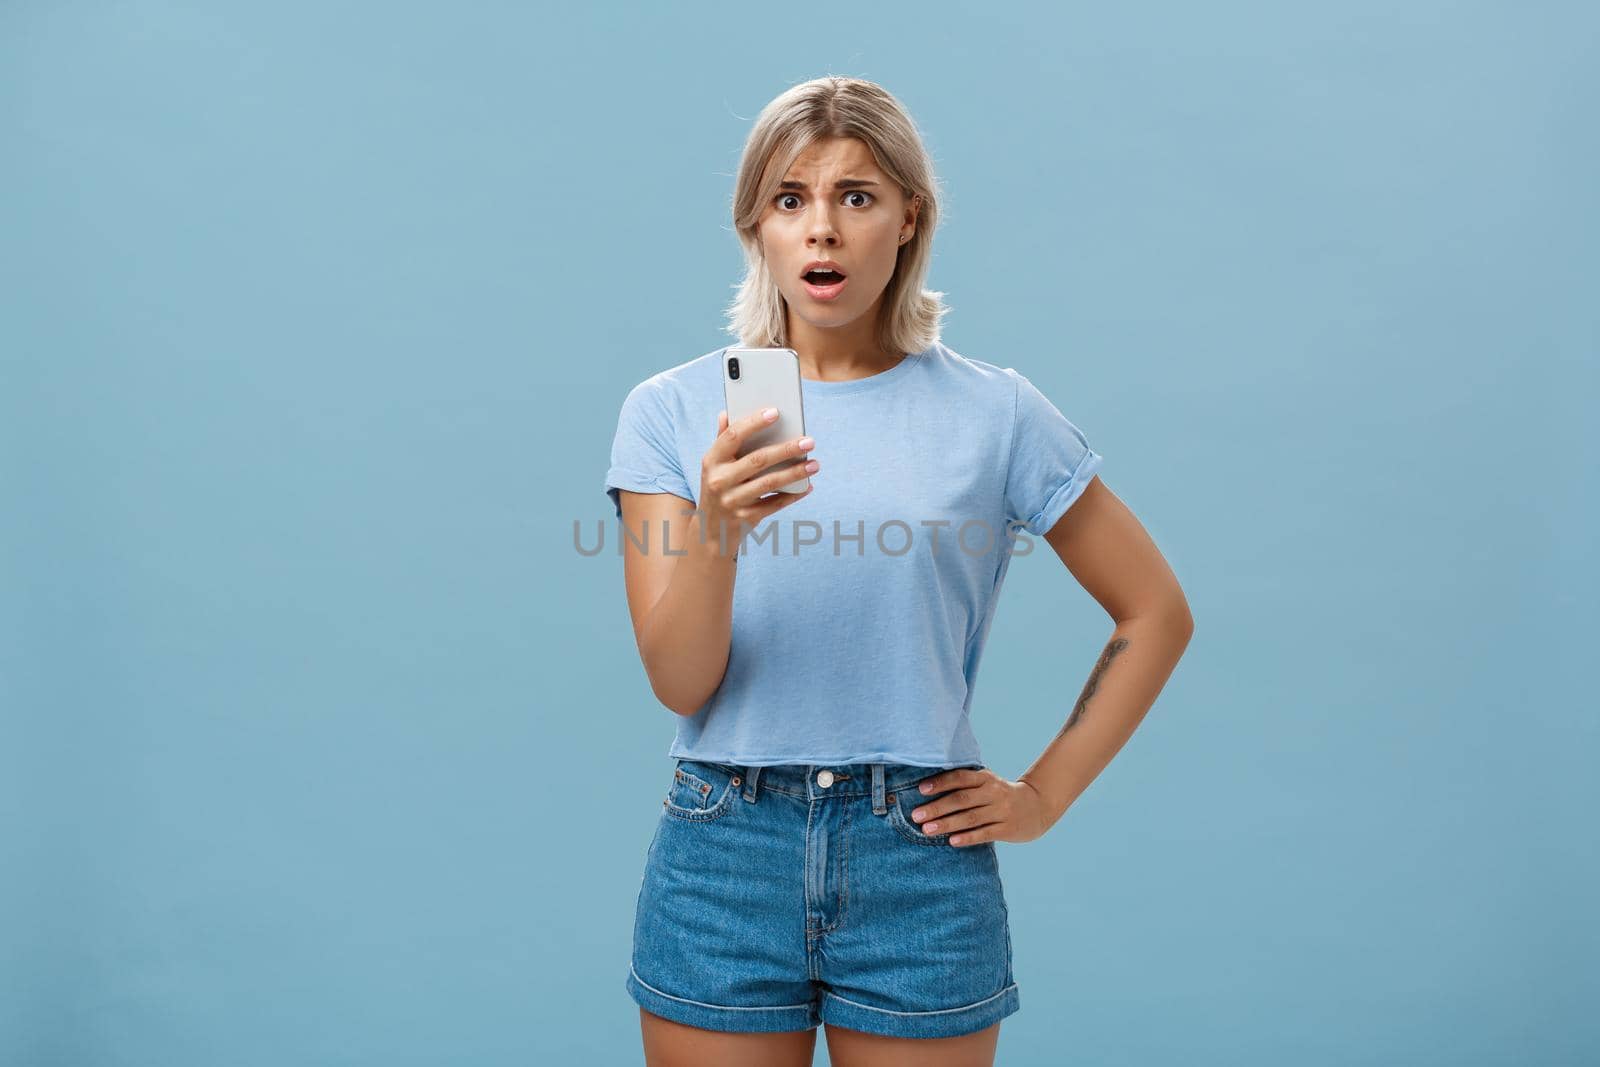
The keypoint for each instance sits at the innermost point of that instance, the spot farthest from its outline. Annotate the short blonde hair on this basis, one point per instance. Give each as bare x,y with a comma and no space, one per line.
822,108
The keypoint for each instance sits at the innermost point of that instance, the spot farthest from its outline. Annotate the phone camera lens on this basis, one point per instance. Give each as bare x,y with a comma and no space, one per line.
733,367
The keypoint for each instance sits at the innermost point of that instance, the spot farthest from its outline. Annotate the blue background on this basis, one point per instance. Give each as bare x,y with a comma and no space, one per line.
322,744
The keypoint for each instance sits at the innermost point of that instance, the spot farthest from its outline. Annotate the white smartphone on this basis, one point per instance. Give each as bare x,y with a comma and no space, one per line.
756,378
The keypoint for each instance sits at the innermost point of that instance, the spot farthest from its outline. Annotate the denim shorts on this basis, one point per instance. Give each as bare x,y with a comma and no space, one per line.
781,897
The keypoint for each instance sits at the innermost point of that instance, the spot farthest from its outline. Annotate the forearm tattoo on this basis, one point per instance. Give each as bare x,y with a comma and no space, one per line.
1110,653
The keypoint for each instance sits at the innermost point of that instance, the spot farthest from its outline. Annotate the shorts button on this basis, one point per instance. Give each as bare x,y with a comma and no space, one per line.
824,778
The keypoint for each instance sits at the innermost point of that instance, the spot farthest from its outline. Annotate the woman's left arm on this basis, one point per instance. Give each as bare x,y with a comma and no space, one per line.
1112,556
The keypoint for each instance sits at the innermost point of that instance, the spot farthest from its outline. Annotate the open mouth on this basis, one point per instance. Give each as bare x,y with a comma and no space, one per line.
823,285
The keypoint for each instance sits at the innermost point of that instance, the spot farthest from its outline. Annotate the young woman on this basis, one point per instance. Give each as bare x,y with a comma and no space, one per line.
825,853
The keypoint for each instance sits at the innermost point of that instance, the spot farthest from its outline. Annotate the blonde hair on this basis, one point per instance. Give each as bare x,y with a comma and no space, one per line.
822,108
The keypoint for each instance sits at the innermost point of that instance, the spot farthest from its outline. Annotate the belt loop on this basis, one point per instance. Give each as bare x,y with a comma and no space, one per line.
879,805
750,776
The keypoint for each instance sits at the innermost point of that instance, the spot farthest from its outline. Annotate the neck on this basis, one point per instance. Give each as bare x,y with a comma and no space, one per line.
839,355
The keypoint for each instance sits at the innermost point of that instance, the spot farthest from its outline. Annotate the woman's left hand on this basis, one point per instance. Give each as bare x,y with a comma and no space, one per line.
983,806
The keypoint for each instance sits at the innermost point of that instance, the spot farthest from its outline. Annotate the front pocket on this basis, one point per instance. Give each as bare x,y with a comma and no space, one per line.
901,805
702,796
689,790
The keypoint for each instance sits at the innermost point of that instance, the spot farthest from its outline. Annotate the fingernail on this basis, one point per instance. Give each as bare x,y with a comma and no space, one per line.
919,815
926,788
770,414
805,443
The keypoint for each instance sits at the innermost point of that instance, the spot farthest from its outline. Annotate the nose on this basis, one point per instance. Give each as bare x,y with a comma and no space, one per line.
821,225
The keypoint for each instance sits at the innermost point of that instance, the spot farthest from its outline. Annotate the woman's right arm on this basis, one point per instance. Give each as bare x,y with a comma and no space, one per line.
682,603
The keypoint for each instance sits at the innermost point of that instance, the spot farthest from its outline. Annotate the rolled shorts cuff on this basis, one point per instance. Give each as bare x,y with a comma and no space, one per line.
782,1017
945,1022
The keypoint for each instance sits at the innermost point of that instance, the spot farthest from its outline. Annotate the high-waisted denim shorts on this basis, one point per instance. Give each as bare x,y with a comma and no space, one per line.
780,897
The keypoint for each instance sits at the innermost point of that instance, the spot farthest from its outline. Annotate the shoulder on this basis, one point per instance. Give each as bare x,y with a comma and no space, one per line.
975,379
681,387
1022,397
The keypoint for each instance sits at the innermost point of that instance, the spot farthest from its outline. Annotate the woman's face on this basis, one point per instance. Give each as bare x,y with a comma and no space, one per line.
858,227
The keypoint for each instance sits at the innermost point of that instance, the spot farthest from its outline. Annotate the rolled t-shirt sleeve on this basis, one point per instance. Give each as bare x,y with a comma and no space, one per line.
1051,461
644,455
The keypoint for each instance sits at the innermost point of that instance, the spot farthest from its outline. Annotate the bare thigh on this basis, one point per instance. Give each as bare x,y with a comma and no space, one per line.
668,1043
853,1048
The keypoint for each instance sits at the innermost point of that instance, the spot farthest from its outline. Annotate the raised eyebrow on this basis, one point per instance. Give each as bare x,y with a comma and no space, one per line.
843,183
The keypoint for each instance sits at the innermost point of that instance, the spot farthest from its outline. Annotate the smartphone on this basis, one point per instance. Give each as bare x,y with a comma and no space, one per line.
756,378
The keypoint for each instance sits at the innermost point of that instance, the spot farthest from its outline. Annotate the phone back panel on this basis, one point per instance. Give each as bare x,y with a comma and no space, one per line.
768,377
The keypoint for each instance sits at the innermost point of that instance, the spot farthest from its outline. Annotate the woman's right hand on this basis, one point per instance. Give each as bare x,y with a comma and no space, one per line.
731,485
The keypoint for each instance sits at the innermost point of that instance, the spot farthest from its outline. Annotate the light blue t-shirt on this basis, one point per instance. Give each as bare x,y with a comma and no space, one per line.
860,612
